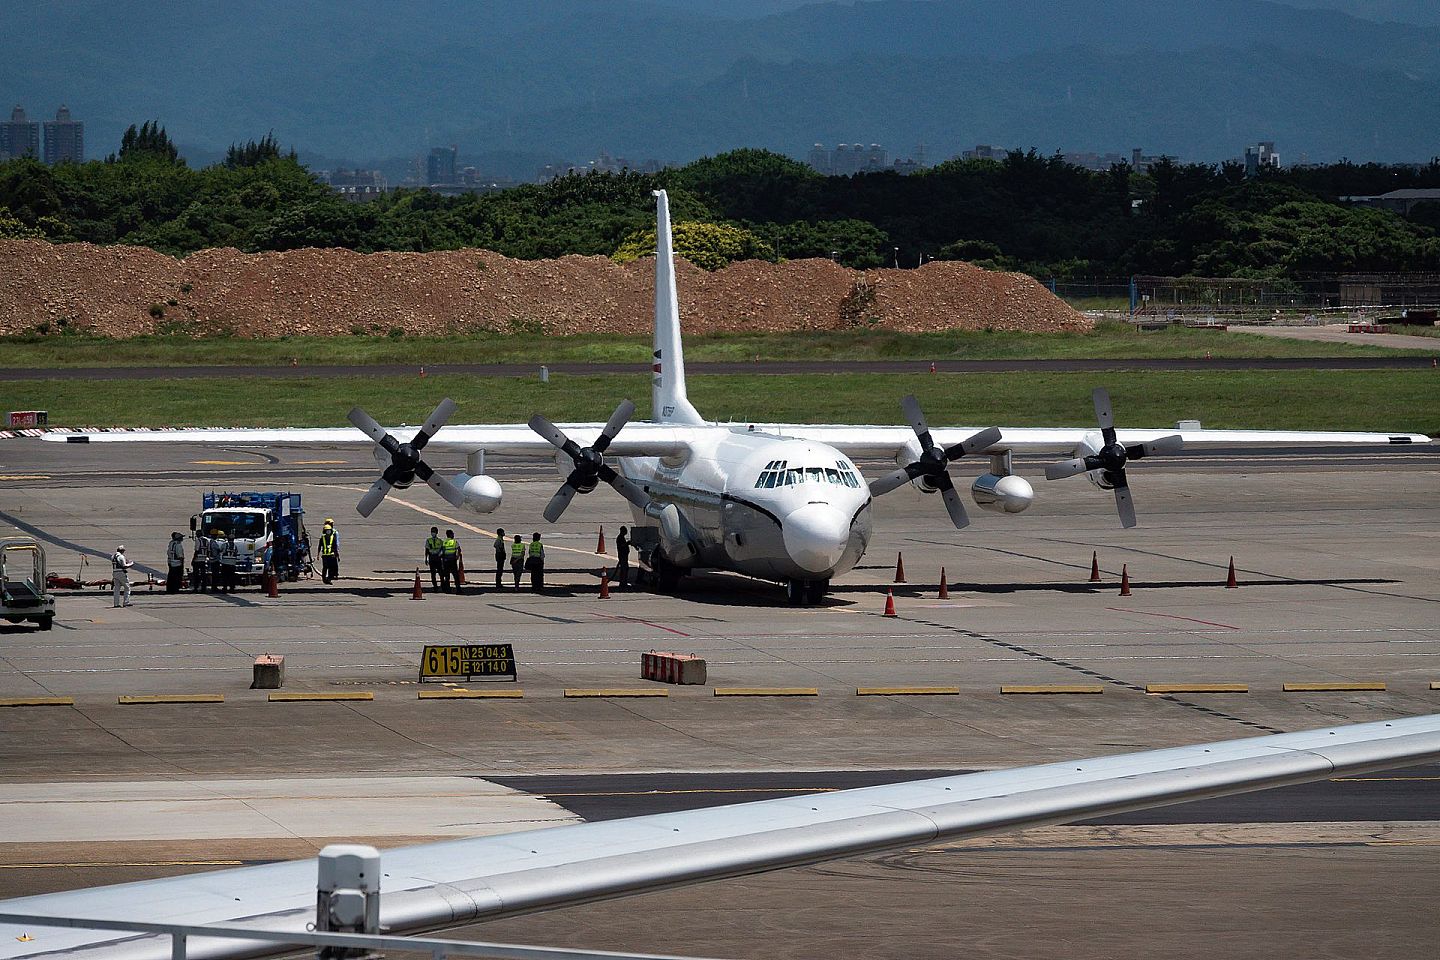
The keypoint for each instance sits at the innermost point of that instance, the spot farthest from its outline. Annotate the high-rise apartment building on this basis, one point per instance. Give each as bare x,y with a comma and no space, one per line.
19,137
440,165
64,138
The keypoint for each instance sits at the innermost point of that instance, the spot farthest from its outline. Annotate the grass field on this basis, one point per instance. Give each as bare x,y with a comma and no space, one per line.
1382,400
1110,340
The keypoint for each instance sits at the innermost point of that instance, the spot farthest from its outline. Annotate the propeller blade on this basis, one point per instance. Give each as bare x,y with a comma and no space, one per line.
559,502
1065,468
953,504
441,485
614,425
983,440
367,425
916,419
554,435
624,486
372,497
1125,504
1162,447
892,481
1104,415
438,418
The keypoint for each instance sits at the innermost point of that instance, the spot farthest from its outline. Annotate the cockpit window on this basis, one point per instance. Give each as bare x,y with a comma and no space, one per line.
779,473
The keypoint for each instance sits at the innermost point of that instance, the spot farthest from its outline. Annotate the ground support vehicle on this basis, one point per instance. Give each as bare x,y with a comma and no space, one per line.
22,583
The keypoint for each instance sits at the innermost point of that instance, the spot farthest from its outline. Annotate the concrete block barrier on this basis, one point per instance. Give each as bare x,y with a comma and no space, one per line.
268,672
174,698
682,668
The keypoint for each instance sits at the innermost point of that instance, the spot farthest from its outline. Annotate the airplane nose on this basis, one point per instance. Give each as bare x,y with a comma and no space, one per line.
815,537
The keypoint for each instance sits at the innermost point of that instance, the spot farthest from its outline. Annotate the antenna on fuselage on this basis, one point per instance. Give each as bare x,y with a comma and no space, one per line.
667,362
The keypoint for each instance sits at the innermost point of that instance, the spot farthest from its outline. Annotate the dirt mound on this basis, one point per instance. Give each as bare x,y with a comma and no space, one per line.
128,291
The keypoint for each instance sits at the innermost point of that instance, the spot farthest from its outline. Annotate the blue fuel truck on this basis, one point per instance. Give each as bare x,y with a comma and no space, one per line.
259,521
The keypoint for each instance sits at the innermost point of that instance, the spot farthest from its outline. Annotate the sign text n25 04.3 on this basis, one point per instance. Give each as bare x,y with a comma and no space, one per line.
468,661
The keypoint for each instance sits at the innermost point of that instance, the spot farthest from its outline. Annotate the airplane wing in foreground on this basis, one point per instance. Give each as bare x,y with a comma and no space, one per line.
454,882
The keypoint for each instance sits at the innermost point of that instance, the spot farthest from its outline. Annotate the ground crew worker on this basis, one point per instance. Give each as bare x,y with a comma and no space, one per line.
536,563
499,559
435,557
120,576
198,562
450,551
217,543
175,560
622,552
517,559
329,552
229,564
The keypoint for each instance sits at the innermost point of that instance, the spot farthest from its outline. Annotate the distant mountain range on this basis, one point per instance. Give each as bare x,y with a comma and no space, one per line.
365,79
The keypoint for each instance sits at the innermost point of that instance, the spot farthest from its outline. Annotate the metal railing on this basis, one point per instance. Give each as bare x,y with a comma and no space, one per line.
180,933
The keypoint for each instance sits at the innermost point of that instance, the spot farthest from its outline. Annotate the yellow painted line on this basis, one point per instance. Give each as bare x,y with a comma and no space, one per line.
766,692
616,692
1333,687
906,691
24,476
175,698
1055,688
318,461
300,696
1197,688
37,702
471,694
226,463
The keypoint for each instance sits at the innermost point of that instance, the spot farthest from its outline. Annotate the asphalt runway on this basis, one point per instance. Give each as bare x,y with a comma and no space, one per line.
725,368
1340,581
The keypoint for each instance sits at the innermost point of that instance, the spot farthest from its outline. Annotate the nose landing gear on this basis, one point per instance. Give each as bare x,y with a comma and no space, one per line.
806,593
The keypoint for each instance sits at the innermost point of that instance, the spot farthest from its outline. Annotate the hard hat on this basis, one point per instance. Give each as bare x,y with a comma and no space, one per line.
329,522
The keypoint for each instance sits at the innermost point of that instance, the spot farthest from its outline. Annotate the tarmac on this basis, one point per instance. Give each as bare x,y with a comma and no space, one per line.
1337,558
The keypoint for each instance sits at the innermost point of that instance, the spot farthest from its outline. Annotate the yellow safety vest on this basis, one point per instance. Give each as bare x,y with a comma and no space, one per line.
434,546
327,543
451,547
517,551
537,549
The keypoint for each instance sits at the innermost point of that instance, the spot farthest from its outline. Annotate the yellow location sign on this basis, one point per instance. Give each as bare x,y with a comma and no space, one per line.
468,661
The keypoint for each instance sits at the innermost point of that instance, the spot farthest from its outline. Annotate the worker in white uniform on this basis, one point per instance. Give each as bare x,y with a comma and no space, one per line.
120,576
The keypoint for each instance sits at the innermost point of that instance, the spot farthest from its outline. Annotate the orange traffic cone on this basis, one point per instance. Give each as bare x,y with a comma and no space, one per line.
1125,580
422,373
600,546
1230,582
272,586
944,587
899,568
459,571
932,366
418,593
605,583
889,602
1094,566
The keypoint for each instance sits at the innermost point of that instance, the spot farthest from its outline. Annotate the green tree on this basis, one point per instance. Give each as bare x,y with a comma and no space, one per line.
709,246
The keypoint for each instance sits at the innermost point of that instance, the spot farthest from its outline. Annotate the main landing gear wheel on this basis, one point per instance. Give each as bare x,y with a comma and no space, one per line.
806,593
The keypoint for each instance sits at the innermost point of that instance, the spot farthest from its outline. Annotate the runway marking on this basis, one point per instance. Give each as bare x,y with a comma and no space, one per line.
648,623
225,463
1171,616
24,476
318,461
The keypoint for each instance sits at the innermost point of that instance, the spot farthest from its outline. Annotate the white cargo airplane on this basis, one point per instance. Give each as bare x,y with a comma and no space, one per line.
222,914
781,502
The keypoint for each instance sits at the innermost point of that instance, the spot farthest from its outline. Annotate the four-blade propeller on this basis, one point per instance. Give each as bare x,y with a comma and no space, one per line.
1112,457
590,466
934,462
405,462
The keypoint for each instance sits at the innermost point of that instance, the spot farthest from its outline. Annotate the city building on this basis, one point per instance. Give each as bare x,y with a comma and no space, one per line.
19,137
440,165
1099,162
1141,162
1261,156
356,186
847,159
983,151
64,138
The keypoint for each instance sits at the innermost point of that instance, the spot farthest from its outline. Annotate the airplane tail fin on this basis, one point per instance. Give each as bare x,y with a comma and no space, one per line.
667,364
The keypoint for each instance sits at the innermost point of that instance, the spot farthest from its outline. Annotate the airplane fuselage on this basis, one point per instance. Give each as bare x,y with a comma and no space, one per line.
776,508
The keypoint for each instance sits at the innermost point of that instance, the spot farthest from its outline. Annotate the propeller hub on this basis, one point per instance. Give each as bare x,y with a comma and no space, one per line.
1113,456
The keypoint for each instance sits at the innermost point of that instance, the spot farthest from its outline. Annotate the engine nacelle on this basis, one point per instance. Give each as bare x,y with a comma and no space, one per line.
482,493
1002,494
908,454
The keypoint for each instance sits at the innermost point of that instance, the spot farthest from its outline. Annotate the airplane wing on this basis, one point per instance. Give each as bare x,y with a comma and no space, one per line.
454,882
881,442
515,439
